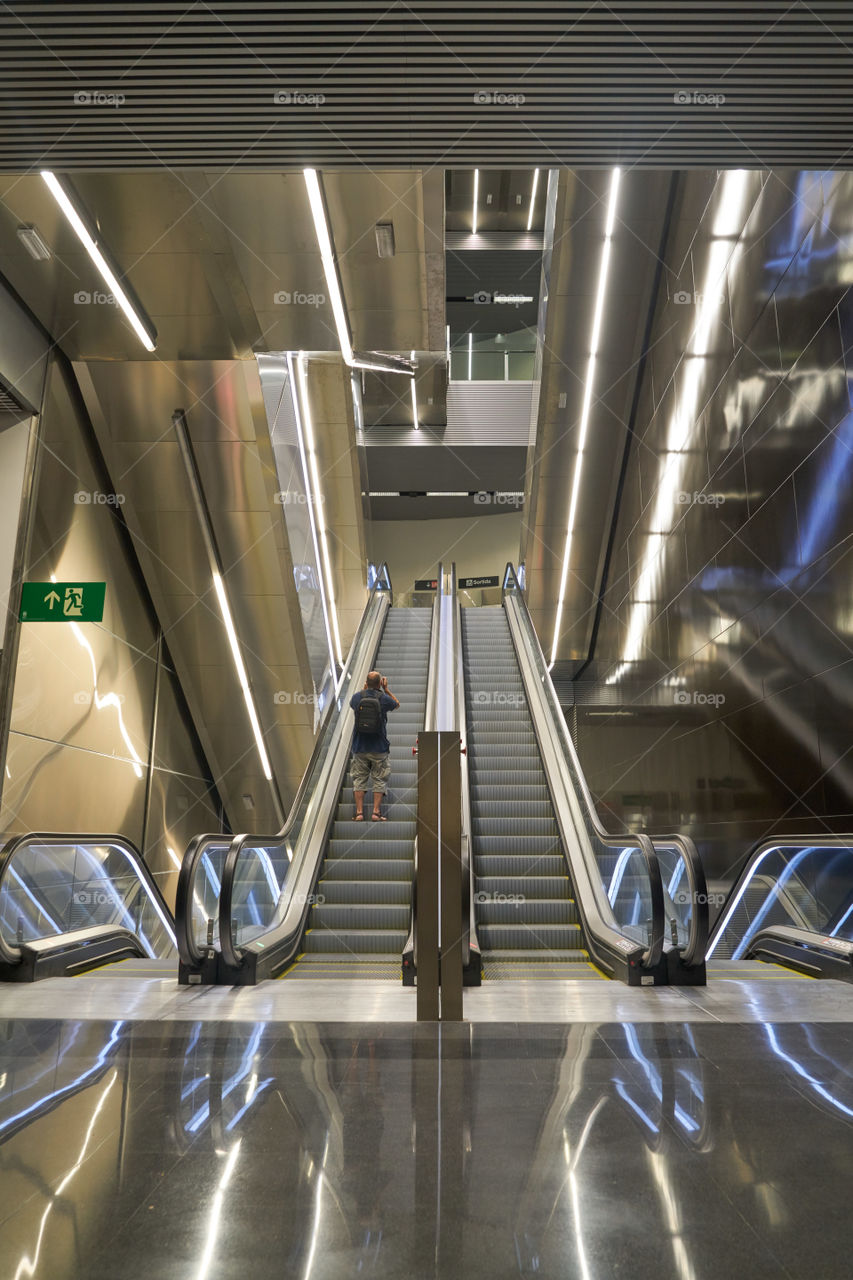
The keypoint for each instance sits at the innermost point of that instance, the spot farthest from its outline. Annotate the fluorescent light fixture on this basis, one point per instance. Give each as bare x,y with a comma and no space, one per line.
225,610
470,354
33,243
382,364
142,327
724,252
587,400
476,192
315,505
532,198
327,256
415,401
447,348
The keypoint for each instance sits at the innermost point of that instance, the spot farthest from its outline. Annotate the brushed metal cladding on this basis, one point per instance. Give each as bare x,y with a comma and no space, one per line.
294,495
52,786
725,643
503,206
279,86
329,396
131,404
574,274
23,355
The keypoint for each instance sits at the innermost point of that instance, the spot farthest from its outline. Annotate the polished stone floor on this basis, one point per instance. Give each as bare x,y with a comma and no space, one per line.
693,1149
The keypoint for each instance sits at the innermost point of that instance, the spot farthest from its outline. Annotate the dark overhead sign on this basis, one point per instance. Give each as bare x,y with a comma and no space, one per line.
426,584
468,583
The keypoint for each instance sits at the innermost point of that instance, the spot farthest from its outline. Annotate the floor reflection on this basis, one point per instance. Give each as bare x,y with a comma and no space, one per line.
207,1150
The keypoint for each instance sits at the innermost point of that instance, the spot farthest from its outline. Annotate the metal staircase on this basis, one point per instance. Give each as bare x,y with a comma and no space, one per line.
358,925
528,921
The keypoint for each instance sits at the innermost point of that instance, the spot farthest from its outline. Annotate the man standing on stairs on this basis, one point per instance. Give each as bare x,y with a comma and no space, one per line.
371,762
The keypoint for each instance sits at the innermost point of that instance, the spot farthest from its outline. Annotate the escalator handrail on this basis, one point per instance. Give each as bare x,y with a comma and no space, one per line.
232,955
693,953
754,858
601,927
191,954
657,933
840,949
410,947
11,954
469,919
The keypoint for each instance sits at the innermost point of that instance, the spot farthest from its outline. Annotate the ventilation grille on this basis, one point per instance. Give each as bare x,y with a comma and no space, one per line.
109,86
9,403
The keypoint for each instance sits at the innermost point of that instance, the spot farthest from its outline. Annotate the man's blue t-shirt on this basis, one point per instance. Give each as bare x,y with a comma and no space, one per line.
363,742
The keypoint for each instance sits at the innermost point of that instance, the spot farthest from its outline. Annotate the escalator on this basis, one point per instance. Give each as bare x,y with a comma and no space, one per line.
792,905
327,896
358,923
555,895
71,904
527,916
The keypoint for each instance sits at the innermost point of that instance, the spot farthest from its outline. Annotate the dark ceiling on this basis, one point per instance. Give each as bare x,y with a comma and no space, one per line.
509,85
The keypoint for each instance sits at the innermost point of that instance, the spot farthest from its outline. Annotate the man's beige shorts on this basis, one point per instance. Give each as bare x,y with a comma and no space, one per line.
371,771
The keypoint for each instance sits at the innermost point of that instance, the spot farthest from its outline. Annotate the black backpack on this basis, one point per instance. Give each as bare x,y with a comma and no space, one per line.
368,714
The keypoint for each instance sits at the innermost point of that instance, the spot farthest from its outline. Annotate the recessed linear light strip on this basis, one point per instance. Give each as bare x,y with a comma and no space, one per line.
354,359
327,257
595,336
225,610
532,198
476,194
300,436
415,400
208,537
315,506
142,327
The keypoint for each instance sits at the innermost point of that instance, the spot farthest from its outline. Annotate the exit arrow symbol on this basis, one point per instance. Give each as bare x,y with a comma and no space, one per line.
51,599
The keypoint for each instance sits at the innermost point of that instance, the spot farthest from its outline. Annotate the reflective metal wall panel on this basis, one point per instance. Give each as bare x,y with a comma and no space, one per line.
83,710
53,787
721,694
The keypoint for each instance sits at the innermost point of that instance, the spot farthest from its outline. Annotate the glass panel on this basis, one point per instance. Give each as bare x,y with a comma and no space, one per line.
805,886
610,864
266,869
52,888
677,897
205,893
626,883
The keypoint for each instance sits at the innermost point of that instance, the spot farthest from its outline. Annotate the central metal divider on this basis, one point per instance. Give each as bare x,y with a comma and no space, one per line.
439,878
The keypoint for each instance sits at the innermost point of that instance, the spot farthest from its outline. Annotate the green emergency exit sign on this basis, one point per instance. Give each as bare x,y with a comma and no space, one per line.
62,601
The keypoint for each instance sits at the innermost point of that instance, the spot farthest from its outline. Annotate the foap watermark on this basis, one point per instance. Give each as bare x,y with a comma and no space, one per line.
85,699
296,98
290,498
94,498
694,698
515,898
687,499
96,98
485,499
684,898
284,298
91,898
294,698
309,899
484,298
498,98
698,98
498,698
83,298
684,298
